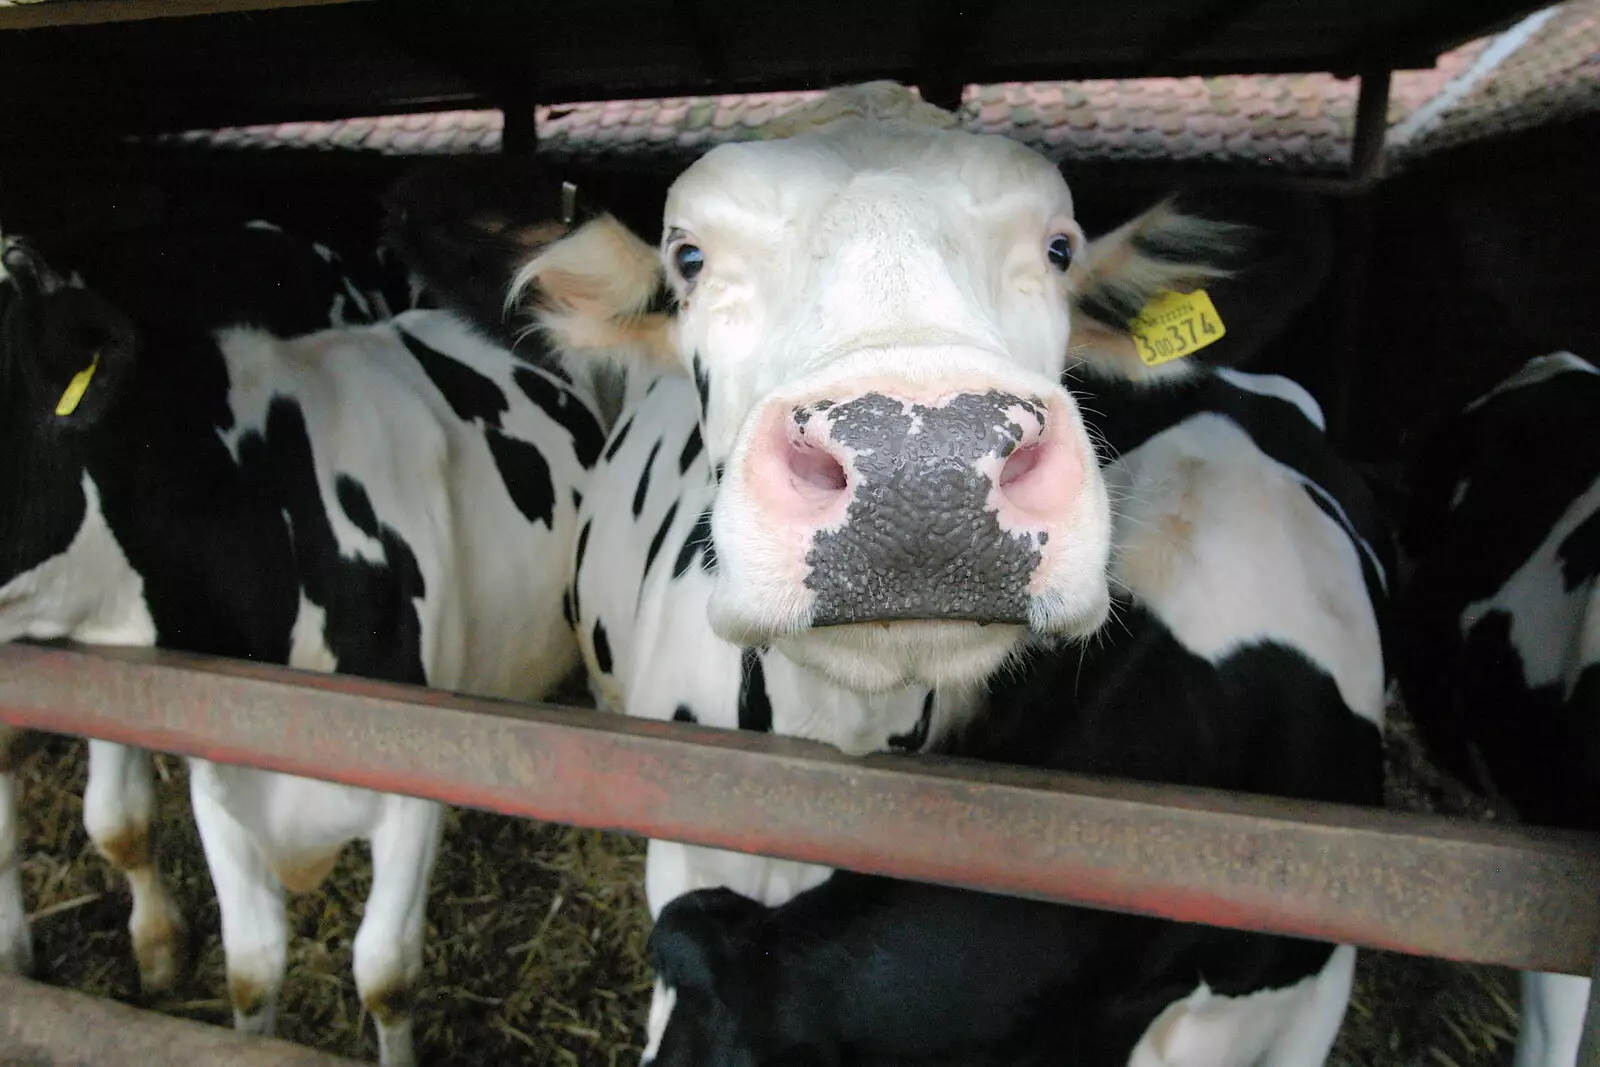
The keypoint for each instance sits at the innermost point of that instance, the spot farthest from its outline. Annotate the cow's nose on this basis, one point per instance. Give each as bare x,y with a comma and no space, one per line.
916,510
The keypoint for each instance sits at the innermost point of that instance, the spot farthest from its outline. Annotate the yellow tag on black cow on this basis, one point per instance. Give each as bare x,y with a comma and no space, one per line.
77,387
1175,325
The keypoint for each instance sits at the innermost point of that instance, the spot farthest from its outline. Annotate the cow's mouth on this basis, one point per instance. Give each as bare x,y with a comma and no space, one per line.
880,656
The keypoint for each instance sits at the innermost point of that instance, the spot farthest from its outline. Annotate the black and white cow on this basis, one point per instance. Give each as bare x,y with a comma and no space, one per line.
1244,654
865,488
1500,621
395,500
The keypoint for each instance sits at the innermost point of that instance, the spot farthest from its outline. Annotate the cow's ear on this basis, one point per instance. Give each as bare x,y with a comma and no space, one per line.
1160,251
72,346
600,292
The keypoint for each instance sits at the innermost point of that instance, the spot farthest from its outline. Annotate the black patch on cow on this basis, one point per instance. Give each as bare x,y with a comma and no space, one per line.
1580,553
659,537
662,302
716,472
577,566
919,540
913,740
577,500
566,609
683,714
642,490
698,541
477,400
702,384
755,710
472,396
616,439
565,410
691,450
372,627
526,475
1004,980
602,648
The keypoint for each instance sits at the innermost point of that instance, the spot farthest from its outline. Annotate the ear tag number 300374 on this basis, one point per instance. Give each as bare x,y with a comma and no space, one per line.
1174,325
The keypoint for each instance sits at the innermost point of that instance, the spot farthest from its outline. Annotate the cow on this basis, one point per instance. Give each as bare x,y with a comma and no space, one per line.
1499,617
395,500
186,278
857,485
1249,572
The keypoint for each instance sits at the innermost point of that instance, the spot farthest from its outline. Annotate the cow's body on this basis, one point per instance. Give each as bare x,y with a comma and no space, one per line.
1244,655
1501,621
395,500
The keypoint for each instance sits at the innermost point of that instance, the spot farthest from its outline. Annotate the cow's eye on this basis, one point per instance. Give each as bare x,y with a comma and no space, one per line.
1059,251
687,260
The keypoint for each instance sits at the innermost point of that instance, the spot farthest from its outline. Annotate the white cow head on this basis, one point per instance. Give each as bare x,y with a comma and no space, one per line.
877,315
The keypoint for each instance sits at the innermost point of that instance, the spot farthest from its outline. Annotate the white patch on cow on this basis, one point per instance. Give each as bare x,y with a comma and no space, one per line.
336,310
1536,370
1291,1027
323,252
1279,386
88,593
356,296
1459,493
1547,621
1553,1010
263,225
1225,547
663,999
308,644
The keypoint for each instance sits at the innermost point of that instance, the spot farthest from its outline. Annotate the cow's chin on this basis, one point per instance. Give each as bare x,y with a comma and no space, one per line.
878,657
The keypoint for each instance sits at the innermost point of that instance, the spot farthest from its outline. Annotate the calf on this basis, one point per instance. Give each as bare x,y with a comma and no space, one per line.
858,486
1500,617
396,501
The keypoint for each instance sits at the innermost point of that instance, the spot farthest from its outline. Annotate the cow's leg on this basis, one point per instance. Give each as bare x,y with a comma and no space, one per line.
388,948
1553,1008
16,940
118,808
255,926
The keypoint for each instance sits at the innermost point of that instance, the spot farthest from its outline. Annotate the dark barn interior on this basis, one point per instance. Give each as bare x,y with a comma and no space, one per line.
1394,288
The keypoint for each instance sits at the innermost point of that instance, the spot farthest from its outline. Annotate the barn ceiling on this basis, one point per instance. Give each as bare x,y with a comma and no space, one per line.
386,56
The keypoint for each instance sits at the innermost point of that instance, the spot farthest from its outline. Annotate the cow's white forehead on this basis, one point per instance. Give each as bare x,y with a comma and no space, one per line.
782,179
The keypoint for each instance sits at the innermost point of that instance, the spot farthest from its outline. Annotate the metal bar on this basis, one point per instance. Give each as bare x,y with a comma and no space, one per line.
43,1026
90,12
1420,884
1372,123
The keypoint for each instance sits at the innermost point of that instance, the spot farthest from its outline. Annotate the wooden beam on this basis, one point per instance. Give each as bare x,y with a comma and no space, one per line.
32,16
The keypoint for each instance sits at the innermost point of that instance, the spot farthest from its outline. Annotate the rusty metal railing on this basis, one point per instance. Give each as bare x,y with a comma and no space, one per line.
1428,885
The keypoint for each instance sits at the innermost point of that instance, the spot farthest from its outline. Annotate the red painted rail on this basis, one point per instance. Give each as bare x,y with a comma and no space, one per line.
1421,884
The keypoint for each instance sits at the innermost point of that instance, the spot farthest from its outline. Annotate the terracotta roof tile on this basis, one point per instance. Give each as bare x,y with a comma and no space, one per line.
1300,122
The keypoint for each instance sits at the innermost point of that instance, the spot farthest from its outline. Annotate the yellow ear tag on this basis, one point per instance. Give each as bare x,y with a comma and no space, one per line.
1175,325
76,388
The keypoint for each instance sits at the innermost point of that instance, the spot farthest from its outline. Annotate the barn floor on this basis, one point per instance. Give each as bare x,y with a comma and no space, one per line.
536,938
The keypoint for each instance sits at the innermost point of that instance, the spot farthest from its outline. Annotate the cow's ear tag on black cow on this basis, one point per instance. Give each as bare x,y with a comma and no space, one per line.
1174,325
73,394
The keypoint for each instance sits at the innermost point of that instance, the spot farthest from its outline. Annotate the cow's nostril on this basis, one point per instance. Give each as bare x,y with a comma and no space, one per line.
1019,464
815,472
